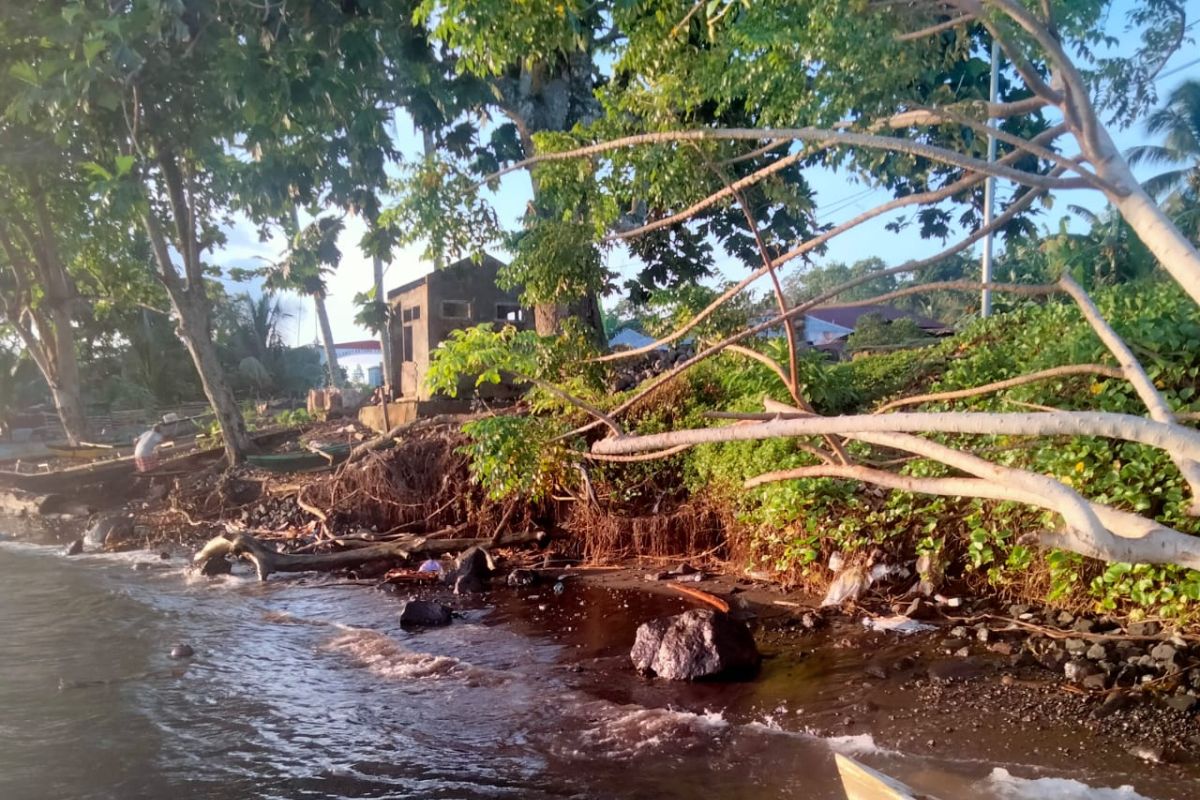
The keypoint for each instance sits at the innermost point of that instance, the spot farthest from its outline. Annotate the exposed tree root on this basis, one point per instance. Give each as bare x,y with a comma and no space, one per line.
267,560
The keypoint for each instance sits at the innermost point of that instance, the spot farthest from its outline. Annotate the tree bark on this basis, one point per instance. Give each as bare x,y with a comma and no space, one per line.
195,331
266,560
331,361
385,331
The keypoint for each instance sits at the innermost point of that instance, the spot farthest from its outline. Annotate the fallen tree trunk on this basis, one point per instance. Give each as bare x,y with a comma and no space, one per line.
267,560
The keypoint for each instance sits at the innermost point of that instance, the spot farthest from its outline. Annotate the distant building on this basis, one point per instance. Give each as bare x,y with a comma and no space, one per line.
630,338
828,324
374,376
426,310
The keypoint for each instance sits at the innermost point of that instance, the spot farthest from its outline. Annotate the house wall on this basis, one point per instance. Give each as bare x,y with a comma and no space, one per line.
466,287
818,331
410,372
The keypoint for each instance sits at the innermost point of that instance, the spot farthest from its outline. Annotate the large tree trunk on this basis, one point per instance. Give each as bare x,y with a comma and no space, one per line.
64,384
385,332
331,362
194,329
1177,255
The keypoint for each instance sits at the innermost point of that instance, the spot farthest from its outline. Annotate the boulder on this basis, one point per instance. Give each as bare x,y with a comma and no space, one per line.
425,613
112,532
696,644
215,565
74,548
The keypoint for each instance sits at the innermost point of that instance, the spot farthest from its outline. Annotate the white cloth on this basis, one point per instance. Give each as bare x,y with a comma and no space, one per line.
147,443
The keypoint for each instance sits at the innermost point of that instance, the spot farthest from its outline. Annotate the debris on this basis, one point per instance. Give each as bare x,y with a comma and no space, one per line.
847,586
896,624
704,597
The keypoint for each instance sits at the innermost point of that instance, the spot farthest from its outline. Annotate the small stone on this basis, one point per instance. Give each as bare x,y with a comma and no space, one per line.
1083,625
1181,702
875,670
1096,682
1075,646
959,632
1143,629
1076,670
182,651
983,634
1003,648
1097,652
1065,618
1018,610
1152,755
1164,653
962,652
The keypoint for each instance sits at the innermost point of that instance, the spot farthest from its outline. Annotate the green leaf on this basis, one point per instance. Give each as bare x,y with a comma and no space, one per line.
24,72
124,164
93,48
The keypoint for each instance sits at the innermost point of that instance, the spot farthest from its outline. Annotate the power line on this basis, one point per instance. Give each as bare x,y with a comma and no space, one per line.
1180,68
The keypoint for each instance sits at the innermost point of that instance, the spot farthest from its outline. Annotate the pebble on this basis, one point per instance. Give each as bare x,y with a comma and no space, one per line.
1097,652
1163,652
182,651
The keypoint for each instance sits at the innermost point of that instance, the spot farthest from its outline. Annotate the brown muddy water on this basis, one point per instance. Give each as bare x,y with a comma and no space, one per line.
302,689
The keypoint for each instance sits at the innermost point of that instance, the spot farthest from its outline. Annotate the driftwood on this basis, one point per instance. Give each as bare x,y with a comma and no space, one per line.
267,560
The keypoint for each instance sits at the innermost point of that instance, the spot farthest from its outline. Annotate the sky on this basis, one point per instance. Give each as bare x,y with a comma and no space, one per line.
838,197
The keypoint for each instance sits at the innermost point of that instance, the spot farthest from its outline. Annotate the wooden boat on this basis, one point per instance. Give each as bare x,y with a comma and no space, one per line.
320,457
84,450
860,782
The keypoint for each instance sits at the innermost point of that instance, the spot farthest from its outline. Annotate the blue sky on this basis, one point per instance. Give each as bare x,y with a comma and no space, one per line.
838,197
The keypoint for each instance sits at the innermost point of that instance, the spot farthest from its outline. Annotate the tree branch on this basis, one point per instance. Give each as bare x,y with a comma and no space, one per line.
1137,377
1169,438
997,386
828,136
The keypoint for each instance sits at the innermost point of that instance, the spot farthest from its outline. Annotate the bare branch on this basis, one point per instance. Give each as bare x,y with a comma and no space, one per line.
1170,438
1135,374
914,199
825,135
953,22
670,451
997,386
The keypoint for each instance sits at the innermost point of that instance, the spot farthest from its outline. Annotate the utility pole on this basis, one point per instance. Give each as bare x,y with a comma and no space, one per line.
989,187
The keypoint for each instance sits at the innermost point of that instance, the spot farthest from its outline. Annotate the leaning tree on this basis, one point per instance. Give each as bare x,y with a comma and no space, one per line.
863,87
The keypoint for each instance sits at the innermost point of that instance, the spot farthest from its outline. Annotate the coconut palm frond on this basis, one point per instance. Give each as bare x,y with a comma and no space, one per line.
1165,183
1151,154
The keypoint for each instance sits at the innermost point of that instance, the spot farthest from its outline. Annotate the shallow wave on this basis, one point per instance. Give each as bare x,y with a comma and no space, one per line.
387,658
1003,784
623,731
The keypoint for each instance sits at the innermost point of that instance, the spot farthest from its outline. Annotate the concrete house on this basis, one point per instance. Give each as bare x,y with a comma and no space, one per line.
426,310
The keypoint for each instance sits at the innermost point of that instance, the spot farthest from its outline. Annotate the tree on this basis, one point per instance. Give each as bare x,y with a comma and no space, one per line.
37,291
1178,122
313,255
866,103
201,107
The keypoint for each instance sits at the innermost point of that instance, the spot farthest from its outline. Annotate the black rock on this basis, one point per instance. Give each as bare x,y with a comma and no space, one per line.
182,651
695,644
216,565
112,531
522,577
425,613
468,584
74,548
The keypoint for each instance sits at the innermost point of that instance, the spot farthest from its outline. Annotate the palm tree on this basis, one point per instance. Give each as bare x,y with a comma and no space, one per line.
312,256
1178,189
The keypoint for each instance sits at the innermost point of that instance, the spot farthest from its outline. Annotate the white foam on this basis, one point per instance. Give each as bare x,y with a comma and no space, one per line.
386,657
859,744
624,731
1003,784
